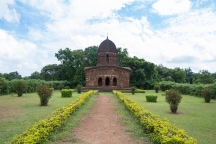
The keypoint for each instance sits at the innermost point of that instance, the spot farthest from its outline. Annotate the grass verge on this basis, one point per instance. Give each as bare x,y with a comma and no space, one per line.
64,133
17,113
194,116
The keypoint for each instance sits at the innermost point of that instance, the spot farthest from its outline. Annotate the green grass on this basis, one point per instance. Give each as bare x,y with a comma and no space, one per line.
64,133
18,113
197,118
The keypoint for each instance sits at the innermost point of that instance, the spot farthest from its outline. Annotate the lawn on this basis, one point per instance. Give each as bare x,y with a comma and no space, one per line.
17,113
197,118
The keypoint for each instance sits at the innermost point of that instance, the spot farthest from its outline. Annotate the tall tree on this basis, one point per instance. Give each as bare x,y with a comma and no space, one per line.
12,75
179,75
35,75
205,77
189,75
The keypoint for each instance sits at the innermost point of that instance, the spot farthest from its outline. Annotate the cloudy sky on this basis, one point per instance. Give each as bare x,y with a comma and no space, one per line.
174,33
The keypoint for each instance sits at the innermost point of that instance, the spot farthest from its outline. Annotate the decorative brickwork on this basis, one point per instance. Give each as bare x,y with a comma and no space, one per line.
107,75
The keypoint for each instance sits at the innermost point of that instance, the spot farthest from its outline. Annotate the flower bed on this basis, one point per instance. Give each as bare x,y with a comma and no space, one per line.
40,131
159,130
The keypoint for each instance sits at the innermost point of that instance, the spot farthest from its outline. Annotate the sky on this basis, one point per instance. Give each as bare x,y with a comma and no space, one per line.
174,33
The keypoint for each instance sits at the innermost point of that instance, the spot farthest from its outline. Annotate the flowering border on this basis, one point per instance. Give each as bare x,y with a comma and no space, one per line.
159,130
41,130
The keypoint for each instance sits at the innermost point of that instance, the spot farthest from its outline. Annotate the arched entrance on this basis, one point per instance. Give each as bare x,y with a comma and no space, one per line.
100,82
107,81
114,82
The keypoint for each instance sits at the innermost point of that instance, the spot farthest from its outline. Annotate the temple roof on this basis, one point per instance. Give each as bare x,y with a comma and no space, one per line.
107,46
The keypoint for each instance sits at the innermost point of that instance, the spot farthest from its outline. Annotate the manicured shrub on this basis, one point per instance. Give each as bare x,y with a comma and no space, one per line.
66,92
159,130
173,97
133,89
79,88
19,86
44,93
151,98
207,94
156,88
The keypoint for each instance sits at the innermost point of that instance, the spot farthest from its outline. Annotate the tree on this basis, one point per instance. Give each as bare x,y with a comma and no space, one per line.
74,62
53,72
12,75
164,73
178,75
35,75
205,77
189,75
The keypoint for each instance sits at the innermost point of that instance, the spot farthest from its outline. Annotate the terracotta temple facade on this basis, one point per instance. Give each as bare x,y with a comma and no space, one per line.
107,75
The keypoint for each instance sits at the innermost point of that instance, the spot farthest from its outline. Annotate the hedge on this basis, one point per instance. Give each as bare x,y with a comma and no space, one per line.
40,131
159,130
66,92
151,98
189,89
129,91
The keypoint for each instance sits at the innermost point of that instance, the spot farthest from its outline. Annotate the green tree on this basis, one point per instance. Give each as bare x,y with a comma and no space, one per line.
179,75
189,75
205,77
164,73
12,75
35,75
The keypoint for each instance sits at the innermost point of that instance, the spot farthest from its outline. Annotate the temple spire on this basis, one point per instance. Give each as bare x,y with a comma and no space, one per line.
107,35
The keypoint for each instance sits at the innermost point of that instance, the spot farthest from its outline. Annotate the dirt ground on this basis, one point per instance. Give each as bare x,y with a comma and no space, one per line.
101,125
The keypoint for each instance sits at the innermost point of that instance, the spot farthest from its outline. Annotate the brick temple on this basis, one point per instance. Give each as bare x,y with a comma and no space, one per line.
107,75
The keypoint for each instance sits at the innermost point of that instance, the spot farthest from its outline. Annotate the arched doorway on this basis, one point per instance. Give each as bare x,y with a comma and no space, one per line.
107,58
100,82
107,81
114,82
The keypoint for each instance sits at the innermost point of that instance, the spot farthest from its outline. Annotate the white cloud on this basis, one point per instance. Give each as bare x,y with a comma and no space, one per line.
170,7
9,15
187,40
35,34
19,55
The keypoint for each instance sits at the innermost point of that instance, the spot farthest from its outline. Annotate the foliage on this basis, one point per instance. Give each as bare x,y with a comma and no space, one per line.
73,63
204,77
66,87
151,98
4,86
178,75
159,130
35,75
189,75
139,91
190,89
12,75
40,131
66,92
173,97
133,89
19,86
207,94
44,93
156,88
79,88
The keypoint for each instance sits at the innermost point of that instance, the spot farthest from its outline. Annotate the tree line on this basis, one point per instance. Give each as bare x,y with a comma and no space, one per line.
144,74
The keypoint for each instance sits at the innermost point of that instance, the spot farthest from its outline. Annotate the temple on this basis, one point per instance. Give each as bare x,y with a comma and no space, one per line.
107,75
